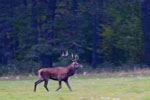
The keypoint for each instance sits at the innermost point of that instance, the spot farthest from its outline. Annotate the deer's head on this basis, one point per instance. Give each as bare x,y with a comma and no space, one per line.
76,65
74,59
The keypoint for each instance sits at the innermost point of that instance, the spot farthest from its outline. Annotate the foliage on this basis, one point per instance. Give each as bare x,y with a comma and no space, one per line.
35,33
122,36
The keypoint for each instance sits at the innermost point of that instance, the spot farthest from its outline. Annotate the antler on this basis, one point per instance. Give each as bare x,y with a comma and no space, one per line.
65,55
73,57
76,57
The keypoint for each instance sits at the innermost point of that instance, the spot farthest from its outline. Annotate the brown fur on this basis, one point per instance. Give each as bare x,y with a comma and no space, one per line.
58,73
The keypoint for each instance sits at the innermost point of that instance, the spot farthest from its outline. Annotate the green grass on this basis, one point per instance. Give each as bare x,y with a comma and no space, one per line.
84,88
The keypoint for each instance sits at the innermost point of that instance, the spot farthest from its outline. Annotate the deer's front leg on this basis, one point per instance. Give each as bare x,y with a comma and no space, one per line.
67,83
45,84
59,85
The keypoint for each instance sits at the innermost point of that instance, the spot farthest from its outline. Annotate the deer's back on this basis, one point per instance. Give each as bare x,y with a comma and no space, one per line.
53,73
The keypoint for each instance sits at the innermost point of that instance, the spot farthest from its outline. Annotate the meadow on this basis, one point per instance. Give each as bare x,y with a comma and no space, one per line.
84,88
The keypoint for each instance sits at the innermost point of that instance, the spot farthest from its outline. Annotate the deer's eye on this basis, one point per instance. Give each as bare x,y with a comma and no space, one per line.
76,65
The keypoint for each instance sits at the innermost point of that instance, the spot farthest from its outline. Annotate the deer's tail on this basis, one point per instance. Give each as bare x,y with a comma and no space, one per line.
39,74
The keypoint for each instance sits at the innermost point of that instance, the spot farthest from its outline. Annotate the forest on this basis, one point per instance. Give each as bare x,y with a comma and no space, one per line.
109,34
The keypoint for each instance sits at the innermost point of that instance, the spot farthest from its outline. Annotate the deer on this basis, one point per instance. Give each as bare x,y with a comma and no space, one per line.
58,73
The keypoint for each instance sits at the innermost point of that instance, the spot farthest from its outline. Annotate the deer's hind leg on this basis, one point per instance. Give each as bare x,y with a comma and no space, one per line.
37,82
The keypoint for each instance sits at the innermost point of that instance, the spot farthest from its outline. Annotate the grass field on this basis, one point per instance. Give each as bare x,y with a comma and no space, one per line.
84,88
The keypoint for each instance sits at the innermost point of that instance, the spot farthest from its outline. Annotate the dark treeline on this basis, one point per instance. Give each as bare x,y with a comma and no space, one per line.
34,33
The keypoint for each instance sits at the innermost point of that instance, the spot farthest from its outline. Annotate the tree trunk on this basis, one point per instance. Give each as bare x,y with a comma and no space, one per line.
51,19
34,21
50,32
94,30
74,7
25,2
95,18
100,5
146,28
74,25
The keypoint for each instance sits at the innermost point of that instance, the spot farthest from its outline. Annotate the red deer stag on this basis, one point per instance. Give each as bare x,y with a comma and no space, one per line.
58,73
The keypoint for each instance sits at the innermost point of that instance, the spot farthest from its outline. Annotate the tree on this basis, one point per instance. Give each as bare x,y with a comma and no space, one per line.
35,32
51,20
146,28
49,36
122,36
7,28
95,17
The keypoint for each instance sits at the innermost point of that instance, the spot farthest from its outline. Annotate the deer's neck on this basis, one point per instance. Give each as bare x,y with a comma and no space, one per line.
71,70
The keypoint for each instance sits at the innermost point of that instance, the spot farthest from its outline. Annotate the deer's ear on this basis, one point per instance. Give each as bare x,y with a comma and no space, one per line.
74,63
